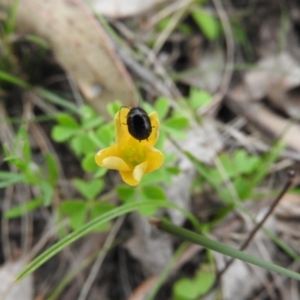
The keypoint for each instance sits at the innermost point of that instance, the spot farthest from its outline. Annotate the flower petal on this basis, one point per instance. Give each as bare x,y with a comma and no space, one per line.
109,158
110,151
134,178
115,163
155,159
122,134
139,171
128,178
152,139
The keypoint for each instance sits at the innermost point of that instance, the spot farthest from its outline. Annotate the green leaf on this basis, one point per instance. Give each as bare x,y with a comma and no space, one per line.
100,173
185,289
243,188
52,168
88,164
92,123
176,123
61,133
87,113
89,189
207,23
204,281
147,107
10,23
161,140
66,120
214,176
185,29
9,176
244,163
266,161
47,192
173,170
113,108
198,98
26,148
98,210
23,209
58,100
126,193
162,107
13,80
76,211
106,134
178,134
156,177
82,144
150,193
89,117
38,41
154,193
227,164
162,24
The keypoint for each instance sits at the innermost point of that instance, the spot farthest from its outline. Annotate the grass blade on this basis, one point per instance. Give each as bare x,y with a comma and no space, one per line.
208,243
75,235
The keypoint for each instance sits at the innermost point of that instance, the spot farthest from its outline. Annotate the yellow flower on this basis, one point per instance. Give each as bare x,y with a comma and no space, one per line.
131,157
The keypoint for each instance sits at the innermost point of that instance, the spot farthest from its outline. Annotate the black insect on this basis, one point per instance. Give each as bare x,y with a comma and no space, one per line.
139,124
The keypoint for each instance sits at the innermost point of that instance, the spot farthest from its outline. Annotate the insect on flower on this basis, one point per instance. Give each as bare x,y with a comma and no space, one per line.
139,124
134,153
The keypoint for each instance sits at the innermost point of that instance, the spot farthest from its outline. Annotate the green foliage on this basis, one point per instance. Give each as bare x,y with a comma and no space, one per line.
163,225
142,193
22,209
81,136
209,25
90,207
90,133
198,98
29,173
4,76
11,20
89,190
245,171
192,289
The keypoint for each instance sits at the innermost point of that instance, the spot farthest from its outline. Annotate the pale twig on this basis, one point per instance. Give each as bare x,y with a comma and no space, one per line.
97,264
171,26
7,137
228,70
165,12
288,184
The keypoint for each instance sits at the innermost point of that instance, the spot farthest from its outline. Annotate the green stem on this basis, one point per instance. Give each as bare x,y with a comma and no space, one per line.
218,247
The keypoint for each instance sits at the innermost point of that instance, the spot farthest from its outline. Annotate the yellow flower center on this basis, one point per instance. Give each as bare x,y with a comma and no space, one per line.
134,155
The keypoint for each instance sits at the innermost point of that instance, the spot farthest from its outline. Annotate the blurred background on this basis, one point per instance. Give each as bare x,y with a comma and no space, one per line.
224,77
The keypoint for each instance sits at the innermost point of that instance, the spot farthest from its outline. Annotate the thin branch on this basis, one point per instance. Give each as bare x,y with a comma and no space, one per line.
288,184
97,265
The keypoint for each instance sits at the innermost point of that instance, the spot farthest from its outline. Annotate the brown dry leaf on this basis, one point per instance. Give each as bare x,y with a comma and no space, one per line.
208,72
281,72
151,247
141,292
289,206
121,8
241,279
276,77
81,47
271,124
204,143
